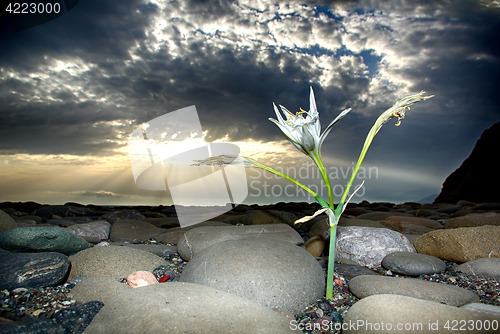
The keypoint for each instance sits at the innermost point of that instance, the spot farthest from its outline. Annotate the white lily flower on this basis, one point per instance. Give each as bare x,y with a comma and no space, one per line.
305,132
399,108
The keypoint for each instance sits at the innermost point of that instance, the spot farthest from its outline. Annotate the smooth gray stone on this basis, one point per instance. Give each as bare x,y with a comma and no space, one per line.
382,313
184,308
28,270
73,319
376,216
114,216
6,222
160,250
474,219
367,246
487,268
100,288
112,261
271,272
197,239
263,217
98,229
42,239
367,285
64,211
484,308
413,264
133,230
359,222
349,271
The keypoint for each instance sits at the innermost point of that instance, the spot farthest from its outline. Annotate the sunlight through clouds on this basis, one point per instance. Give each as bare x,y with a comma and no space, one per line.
72,91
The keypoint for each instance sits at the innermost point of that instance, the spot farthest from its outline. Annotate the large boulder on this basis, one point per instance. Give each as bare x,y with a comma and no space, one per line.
113,261
364,286
271,272
407,315
367,246
184,308
473,220
461,244
99,288
42,239
6,222
133,230
28,270
98,229
64,211
260,217
197,239
477,179
487,268
413,264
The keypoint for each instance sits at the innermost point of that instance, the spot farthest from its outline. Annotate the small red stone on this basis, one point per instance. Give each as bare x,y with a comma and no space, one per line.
164,278
338,282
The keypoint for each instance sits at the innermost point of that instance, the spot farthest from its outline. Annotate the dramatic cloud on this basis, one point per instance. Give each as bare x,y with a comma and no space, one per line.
72,90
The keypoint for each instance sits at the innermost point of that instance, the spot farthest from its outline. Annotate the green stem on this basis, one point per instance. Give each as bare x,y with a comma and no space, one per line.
321,166
366,145
274,171
331,263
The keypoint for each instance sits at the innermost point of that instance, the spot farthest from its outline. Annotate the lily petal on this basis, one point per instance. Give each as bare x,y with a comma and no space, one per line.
307,218
313,110
330,126
278,115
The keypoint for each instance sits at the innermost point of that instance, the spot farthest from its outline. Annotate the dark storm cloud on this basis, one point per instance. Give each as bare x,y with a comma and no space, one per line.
80,84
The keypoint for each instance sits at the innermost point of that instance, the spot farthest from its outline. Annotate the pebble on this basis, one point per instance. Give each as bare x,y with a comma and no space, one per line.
413,264
39,301
141,278
316,245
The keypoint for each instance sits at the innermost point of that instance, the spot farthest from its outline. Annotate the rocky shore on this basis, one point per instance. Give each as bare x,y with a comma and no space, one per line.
400,268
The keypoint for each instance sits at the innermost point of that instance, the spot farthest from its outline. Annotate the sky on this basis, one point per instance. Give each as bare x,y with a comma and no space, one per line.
74,89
